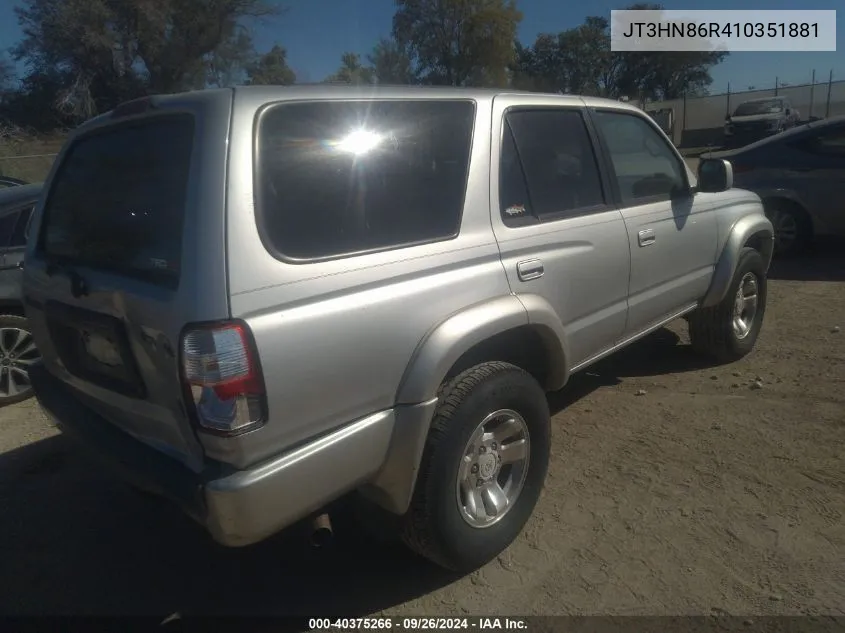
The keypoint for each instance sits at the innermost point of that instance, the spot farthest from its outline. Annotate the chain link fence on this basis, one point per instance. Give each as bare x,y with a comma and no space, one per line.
700,122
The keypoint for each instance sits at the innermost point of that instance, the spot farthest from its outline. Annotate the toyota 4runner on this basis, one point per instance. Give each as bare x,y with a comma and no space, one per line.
254,301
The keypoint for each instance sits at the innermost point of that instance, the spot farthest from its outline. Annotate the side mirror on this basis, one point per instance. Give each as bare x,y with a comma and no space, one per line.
714,175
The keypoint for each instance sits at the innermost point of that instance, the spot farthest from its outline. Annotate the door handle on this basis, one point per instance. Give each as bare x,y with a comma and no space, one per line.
529,269
646,237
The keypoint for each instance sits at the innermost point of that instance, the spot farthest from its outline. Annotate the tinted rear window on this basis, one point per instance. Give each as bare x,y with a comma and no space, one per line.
118,200
335,178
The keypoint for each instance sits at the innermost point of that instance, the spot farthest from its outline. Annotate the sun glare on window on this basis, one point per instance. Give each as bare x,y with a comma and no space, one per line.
360,142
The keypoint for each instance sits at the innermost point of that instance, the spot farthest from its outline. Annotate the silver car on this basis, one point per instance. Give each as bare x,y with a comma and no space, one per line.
759,118
800,176
255,301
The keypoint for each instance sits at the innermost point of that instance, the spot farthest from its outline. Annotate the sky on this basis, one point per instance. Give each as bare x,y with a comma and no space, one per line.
317,32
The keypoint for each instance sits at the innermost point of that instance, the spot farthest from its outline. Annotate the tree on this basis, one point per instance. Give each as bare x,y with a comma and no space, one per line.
458,42
94,54
666,75
228,64
577,61
7,71
7,74
580,61
539,67
391,63
271,68
351,71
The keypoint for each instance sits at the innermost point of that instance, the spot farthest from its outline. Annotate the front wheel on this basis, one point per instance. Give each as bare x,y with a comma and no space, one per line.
483,467
729,330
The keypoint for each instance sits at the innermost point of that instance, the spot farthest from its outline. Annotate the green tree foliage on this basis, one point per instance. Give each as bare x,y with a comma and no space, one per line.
580,61
351,71
7,73
83,57
458,42
228,63
391,63
271,69
93,54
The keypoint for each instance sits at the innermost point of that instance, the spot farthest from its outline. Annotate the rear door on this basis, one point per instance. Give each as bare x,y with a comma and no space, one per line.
558,233
816,171
129,250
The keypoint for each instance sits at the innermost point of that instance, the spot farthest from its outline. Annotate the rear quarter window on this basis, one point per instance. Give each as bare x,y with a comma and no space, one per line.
337,178
117,202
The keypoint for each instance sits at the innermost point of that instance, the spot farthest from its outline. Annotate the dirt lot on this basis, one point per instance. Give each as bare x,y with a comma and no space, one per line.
701,496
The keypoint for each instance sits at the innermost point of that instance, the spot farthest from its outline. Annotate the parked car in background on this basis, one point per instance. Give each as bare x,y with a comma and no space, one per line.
8,181
17,349
255,301
759,118
800,176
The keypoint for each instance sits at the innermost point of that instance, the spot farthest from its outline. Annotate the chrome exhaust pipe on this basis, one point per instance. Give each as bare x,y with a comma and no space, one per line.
321,531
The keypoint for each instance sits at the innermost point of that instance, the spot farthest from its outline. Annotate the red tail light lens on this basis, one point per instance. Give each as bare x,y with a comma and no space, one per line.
738,169
221,372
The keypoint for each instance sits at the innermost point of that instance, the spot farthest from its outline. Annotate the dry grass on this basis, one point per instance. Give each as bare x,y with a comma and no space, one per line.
26,156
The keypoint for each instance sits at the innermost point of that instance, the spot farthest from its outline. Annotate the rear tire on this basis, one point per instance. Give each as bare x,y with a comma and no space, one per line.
17,353
729,330
488,447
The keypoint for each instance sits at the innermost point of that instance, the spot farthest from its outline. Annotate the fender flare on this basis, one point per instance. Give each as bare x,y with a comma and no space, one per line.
742,230
393,485
449,340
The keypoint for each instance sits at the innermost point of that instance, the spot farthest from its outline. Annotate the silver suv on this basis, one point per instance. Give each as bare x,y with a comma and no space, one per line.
255,301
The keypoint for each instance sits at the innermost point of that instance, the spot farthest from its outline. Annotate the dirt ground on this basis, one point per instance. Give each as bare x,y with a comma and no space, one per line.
701,496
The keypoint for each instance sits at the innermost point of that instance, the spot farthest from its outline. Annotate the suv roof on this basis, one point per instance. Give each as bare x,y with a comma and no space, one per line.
335,91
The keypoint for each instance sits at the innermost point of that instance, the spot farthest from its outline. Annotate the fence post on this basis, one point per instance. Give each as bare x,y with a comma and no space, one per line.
728,104
829,89
777,81
812,91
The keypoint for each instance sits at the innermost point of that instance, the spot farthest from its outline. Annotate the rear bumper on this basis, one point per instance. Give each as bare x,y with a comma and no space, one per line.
238,507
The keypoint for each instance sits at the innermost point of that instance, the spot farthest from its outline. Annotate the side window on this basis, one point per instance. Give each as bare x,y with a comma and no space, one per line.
21,226
343,177
647,168
7,228
515,204
548,167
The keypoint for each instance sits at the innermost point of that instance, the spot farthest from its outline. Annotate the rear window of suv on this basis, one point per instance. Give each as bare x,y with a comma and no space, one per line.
343,177
117,202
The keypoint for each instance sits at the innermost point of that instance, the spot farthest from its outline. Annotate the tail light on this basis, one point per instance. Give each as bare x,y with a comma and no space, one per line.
221,372
738,169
